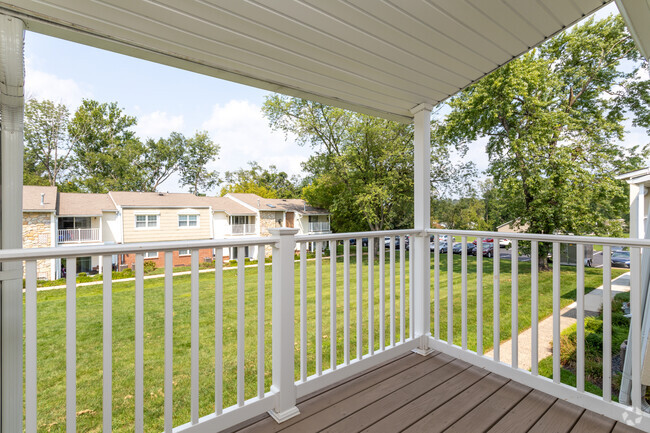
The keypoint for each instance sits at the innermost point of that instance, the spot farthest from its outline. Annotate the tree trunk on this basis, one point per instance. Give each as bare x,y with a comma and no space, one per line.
542,262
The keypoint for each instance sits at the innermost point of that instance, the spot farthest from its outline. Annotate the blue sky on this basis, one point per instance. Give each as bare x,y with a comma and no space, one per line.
166,99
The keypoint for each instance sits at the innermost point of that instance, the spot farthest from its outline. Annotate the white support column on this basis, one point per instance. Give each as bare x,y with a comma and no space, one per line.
422,221
637,209
11,184
282,299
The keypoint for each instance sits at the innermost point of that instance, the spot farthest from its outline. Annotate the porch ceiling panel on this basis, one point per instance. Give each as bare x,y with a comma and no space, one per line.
378,57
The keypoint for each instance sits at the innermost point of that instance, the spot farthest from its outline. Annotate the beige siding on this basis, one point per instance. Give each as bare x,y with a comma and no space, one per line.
168,229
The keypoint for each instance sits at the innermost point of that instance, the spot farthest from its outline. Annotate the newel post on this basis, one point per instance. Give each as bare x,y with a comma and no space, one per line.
283,306
422,222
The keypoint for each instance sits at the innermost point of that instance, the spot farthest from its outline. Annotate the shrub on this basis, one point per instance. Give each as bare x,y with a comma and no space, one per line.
82,274
149,266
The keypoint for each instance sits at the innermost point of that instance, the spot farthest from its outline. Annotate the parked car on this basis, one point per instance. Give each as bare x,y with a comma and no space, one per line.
458,248
505,242
489,240
387,242
621,258
364,242
488,249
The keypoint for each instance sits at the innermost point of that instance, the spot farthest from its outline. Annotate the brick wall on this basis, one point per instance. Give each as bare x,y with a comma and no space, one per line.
177,260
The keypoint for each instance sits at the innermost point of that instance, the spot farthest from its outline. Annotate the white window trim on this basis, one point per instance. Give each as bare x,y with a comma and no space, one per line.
147,227
189,253
198,221
149,254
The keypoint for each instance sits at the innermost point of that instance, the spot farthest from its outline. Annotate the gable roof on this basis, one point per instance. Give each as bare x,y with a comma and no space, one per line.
32,198
228,206
157,199
84,204
278,204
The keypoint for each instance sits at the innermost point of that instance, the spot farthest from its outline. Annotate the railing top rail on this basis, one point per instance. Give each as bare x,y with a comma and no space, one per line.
350,235
590,240
98,250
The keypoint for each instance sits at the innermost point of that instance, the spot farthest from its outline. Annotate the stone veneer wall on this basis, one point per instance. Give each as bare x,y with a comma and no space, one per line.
267,221
37,233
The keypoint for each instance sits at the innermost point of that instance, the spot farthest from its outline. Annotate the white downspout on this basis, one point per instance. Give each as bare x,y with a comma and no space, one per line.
12,74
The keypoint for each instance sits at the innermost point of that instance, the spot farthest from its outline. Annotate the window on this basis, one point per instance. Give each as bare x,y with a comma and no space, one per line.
188,221
151,255
241,219
313,218
184,252
146,221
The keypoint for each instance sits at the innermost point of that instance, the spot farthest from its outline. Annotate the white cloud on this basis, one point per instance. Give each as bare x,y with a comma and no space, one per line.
158,124
42,85
244,135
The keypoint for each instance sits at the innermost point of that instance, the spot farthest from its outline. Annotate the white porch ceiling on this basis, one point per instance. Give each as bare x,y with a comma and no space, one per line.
377,57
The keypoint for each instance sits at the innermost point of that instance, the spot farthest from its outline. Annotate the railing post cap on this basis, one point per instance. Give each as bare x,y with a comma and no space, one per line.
283,231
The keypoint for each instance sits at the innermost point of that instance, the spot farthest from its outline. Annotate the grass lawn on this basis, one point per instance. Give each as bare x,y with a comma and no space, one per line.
51,336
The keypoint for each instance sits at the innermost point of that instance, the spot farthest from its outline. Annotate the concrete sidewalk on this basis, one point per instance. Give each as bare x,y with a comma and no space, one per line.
593,303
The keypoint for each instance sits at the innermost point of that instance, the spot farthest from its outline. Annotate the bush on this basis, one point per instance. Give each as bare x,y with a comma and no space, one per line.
82,274
149,266
206,265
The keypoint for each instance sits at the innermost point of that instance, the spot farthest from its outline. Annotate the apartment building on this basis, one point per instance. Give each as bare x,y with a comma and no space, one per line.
56,219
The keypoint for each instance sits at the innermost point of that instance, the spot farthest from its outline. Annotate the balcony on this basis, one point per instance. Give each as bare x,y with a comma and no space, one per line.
319,227
350,364
78,236
242,229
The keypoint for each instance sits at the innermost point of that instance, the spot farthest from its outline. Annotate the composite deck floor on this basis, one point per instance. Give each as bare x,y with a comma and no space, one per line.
435,393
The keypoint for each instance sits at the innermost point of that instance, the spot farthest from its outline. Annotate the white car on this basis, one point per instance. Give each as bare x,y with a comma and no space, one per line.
505,242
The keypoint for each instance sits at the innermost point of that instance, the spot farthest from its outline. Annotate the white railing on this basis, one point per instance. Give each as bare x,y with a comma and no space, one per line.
381,315
319,227
78,235
242,229
628,413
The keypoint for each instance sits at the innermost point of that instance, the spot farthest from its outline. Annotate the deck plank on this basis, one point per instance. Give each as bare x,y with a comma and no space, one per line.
316,403
401,397
525,414
622,428
560,418
453,410
348,406
591,422
421,406
487,413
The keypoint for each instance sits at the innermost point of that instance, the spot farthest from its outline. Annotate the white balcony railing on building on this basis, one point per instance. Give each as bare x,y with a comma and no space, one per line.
242,229
319,227
384,312
78,235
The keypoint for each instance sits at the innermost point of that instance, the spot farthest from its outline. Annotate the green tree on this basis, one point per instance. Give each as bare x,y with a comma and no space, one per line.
265,182
47,143
107,154
163,158
193,169
467,213
362,167
553,118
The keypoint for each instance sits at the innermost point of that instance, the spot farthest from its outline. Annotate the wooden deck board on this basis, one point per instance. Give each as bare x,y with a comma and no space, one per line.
591,422
438,420
560,418
525,414
319,402
421,406
487,413
434,393
348,406
403,396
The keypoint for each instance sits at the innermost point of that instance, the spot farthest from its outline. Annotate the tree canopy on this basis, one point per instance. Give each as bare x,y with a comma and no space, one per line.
265,182
97,150
554,118
362,166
